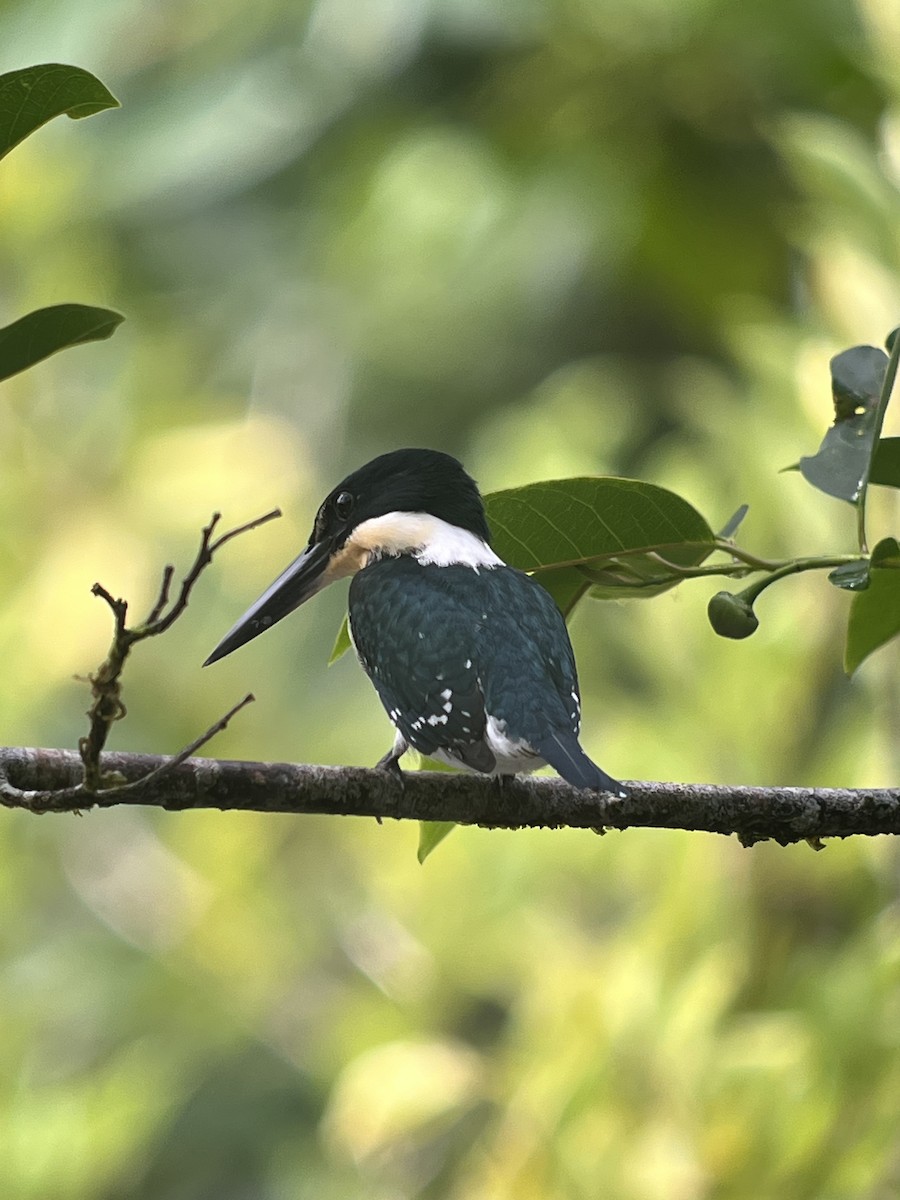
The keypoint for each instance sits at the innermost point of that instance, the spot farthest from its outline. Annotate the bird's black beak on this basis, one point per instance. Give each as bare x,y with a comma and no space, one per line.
304,577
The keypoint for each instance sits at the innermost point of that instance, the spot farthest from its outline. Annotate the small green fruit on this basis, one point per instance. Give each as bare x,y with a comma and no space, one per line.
732,616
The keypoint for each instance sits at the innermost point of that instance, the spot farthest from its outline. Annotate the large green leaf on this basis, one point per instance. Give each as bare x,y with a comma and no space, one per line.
875,612
32,96
41,333
840,466
609,526
593,534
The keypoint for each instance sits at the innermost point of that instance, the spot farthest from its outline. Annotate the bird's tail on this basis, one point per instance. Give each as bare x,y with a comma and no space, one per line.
563,753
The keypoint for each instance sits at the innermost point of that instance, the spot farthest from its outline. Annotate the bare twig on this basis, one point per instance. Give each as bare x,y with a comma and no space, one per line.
159,622
106,686
163,598
169,764
48,780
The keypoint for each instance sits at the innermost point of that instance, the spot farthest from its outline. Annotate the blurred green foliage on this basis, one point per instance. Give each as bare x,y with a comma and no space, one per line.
29,97
555,239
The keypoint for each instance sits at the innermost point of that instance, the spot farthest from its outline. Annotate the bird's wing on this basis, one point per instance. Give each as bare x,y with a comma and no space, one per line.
533,682
415,640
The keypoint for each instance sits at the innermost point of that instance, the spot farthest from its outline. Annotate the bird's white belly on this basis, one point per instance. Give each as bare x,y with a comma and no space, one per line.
513,755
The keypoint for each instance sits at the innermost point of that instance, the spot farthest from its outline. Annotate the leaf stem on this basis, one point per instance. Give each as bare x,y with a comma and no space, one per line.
774,570
751,592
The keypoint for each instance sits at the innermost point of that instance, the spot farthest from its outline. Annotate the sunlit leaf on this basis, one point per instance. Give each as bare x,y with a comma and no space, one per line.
44,332
875,612
32,96
609,524
431,834
342,642
839,468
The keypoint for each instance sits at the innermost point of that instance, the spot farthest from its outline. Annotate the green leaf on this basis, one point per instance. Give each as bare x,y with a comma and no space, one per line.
566,585
44,332
875,613
610,525
886,463
431,834
32,96
342,642
842,462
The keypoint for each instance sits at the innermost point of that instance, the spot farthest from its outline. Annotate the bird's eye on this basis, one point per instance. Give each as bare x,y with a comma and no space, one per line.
343,505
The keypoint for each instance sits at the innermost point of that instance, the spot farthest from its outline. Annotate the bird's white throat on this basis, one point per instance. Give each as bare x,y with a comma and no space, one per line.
426,538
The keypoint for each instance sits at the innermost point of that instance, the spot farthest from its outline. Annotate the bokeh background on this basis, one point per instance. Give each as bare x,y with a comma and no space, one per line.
552,237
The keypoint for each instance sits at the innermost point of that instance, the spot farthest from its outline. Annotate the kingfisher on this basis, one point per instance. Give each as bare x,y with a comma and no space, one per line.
470,657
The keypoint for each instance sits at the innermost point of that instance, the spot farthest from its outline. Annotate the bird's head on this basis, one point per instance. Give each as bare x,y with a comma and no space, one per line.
406,502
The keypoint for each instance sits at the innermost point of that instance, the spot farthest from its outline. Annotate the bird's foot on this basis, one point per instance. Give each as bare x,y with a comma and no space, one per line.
390,764
501,784
613,789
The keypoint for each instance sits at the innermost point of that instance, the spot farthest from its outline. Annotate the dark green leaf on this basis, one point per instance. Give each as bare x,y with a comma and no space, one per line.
609,524
342,642
886,463
875,613
857,376
40,334
431,834
840,466
852,576
32,96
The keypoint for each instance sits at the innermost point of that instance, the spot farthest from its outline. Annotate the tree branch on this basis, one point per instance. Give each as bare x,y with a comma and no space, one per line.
50,781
